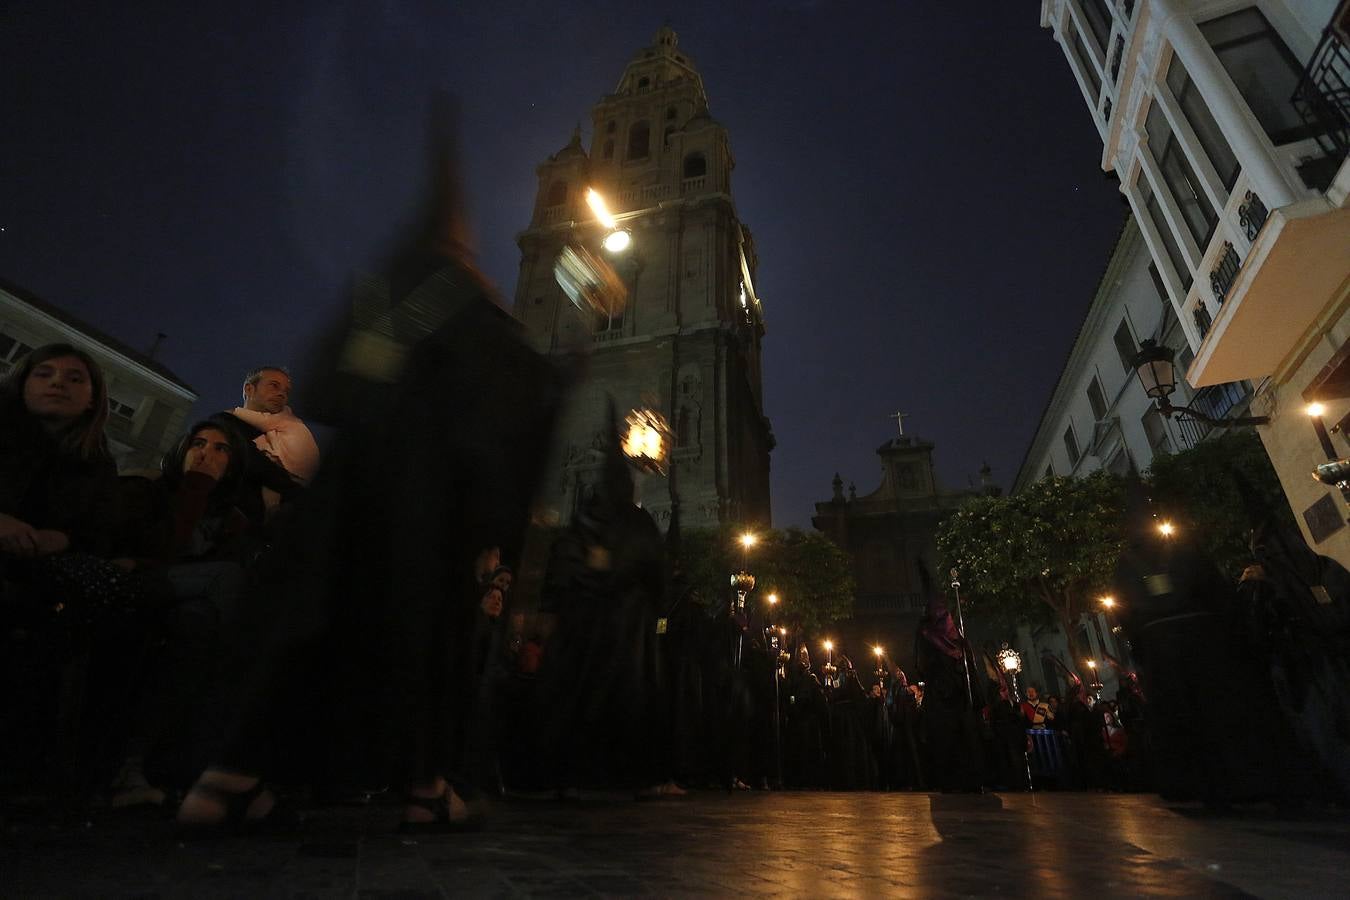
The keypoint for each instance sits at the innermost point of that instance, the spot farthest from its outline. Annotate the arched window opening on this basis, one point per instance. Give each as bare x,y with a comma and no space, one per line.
665,137
639,141
670,113
643,82
695,166
557,194
608,151
682,435
609,129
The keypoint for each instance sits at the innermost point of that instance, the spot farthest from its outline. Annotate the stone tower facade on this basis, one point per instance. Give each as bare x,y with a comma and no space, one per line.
688,341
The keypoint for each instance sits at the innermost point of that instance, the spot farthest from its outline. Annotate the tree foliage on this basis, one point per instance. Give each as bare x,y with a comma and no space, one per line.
1042,555
1199,490
812,577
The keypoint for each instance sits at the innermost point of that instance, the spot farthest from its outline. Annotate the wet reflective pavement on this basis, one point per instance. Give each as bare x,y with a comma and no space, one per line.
714,844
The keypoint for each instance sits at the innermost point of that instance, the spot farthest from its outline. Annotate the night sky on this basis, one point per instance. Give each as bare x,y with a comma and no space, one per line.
922,178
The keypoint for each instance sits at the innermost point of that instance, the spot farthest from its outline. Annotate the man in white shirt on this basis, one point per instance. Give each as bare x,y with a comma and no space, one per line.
285,438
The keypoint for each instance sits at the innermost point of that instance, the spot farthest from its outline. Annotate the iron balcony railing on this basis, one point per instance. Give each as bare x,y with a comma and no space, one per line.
1323,93
1225,273
1219,401
1252,214
1202,317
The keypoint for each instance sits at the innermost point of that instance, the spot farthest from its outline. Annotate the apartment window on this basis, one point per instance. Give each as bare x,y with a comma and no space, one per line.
1263,68
1156,277
1125,346
1201,120
1071,445
121,408
1080,52
1169,240
1096,398
1180,178
1098,15
11,351
1155,431
608,321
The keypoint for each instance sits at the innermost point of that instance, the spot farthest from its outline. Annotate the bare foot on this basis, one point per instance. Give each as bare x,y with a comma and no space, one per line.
203,807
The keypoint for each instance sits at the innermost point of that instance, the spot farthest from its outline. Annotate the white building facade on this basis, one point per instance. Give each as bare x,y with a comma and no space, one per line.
1227,123
148,404
1098,416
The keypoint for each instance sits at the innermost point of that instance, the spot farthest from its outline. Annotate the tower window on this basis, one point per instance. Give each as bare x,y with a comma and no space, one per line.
609,128
557,194
665,137
682,428
695,166
670,113
639,140
608,151
643,82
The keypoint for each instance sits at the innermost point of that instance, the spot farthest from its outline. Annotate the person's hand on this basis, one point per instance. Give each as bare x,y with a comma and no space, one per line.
492,603
198,461
17,537
50,542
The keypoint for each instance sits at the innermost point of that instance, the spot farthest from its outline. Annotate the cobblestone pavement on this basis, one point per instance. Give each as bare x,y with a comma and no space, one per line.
711,844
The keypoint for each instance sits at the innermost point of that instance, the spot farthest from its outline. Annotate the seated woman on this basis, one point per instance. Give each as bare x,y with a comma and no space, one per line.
58,489
57,480
185,530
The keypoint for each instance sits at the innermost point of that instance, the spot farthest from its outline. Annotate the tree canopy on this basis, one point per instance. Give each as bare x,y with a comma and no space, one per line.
1198,489
812,577
1042,555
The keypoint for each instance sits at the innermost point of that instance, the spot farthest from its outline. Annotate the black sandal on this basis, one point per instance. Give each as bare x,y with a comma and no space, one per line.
236,822
439,807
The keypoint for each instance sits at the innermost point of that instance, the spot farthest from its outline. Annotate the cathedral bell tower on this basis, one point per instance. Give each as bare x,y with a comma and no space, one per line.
687,344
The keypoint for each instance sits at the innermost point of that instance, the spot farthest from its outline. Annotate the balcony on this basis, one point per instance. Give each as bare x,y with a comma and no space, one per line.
1295,270
1323,94
1217,401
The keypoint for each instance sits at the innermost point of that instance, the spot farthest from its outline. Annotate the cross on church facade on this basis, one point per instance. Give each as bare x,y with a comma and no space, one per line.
899,418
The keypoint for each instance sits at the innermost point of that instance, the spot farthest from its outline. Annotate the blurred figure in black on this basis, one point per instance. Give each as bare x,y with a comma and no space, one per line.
804,726
444,414
1204,743
605,585
1290,622
950,714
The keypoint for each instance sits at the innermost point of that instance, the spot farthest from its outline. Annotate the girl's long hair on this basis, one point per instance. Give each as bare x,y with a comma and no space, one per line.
83,438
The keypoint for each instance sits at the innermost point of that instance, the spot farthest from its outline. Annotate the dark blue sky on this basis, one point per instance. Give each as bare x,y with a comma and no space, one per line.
921,176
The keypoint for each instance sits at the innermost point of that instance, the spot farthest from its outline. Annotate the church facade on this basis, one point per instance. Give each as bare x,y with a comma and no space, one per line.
890,534
687,343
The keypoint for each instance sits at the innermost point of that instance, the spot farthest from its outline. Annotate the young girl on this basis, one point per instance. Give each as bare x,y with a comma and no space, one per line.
57,480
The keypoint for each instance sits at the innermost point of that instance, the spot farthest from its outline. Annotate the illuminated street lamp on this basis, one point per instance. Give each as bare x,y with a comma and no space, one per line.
1108,601
1154,367
1166,528
829,669
1011,662
880,653
1096,682
647,441
618,240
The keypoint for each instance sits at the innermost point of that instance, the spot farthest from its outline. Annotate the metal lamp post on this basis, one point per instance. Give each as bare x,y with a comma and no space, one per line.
1154,367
